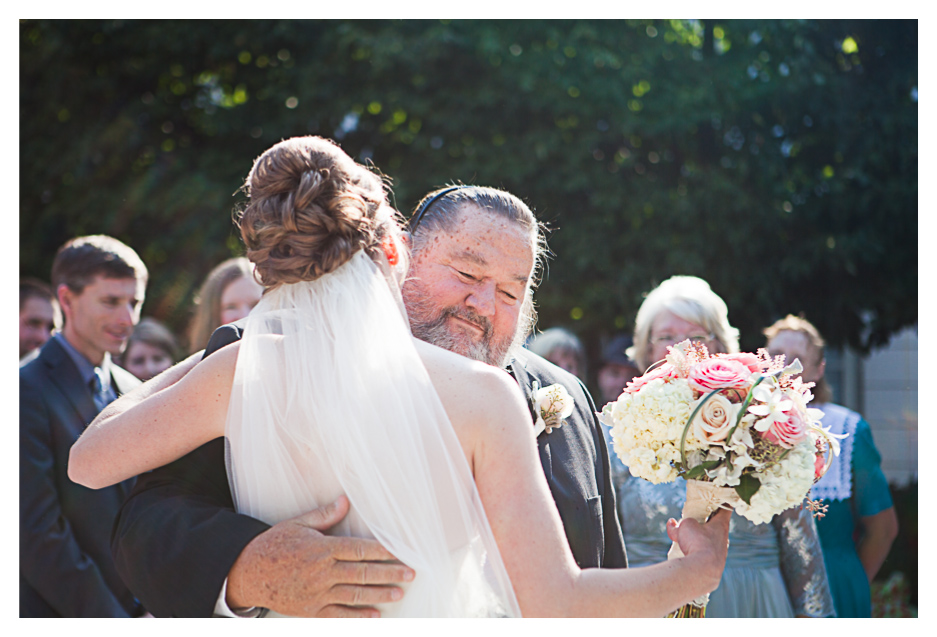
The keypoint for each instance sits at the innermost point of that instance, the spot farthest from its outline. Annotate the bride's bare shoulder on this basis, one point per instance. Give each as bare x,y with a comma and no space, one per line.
467,388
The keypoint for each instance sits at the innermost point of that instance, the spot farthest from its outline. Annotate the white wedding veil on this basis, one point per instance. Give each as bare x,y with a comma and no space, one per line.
330,397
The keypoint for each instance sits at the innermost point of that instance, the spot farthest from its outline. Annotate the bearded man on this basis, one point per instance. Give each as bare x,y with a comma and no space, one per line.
183,549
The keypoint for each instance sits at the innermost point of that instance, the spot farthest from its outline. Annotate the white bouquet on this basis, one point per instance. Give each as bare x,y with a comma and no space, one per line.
735,426
736,420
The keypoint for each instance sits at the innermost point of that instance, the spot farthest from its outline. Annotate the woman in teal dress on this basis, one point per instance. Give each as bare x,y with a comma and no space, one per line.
772,570
860,524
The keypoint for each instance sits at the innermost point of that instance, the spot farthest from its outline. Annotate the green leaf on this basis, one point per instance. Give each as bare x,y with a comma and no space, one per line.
747,487
698,470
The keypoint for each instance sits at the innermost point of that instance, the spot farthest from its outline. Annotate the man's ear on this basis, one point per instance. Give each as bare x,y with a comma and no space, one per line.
66,296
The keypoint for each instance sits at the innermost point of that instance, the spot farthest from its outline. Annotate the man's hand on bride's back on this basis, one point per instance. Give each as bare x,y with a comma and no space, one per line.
294,569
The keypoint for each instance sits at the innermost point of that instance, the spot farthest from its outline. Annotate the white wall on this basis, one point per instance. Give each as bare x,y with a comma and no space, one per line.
883,388
889,388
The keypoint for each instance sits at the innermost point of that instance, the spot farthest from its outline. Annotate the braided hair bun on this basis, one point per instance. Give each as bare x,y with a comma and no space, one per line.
311,209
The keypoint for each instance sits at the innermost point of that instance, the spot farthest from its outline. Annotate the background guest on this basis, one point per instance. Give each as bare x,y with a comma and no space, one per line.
227,295
860,525
617,369
66,569
773,570
562,348
152,348
39,316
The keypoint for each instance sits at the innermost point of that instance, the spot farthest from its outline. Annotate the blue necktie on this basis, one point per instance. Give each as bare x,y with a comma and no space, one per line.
100,393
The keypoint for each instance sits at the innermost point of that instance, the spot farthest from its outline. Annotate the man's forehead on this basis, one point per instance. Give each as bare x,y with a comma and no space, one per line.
517,267
505,249
465,253
473,224
117,285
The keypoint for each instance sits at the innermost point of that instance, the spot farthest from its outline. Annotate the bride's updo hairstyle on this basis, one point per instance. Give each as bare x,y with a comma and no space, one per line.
311,209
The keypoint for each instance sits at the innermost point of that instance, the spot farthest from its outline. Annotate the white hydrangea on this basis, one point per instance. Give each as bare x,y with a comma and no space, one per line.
784,484
647,427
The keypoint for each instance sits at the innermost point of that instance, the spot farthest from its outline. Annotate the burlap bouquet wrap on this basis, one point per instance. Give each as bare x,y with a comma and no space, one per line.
702,500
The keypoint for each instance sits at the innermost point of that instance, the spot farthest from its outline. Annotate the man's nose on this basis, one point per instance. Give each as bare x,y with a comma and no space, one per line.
127,314
482,299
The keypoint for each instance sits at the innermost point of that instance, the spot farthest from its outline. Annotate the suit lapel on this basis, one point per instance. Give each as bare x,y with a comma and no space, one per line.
518,368
519,372
64,375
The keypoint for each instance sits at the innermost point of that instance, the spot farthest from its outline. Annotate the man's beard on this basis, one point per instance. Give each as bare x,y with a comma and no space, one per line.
429,323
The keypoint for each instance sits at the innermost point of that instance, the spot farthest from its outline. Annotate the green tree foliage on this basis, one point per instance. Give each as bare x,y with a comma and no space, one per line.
775,159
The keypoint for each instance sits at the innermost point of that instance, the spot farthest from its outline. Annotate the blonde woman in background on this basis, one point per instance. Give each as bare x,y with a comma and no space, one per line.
772,570
228,294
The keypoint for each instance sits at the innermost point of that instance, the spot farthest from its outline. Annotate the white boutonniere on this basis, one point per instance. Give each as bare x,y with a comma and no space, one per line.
552,404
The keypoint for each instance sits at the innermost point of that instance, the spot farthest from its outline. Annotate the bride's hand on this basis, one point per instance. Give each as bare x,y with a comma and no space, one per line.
293,569
705,544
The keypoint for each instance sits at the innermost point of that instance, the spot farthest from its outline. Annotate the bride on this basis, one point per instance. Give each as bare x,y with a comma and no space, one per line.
327,393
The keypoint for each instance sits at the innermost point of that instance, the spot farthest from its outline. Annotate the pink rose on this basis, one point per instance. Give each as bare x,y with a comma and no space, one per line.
664,371
745,358
787,433
719,373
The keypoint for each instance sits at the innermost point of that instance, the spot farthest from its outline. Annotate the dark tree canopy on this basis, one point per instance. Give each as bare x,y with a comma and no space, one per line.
776,159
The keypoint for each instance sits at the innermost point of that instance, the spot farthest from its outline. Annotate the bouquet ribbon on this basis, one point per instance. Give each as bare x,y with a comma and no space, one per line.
702,500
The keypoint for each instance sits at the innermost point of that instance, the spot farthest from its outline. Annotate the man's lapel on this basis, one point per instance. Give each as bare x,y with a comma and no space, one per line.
518,369
65,376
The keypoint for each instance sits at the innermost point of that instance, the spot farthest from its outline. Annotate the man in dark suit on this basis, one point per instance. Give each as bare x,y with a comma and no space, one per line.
179,544
66,569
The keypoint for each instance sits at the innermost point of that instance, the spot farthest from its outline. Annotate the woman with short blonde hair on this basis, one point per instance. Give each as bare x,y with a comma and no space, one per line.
692,300
773,570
